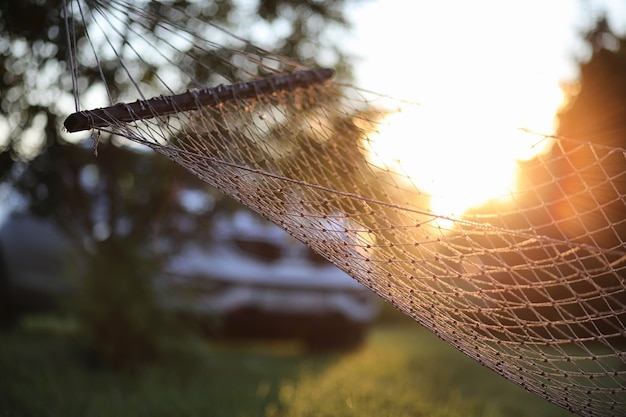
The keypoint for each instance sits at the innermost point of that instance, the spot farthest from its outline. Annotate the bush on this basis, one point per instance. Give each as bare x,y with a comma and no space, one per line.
122,324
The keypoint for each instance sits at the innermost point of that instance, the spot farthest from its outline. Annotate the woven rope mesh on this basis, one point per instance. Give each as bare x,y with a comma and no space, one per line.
531,285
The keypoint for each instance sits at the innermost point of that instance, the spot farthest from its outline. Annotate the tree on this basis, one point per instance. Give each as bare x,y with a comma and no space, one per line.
107,204
594,178
572,198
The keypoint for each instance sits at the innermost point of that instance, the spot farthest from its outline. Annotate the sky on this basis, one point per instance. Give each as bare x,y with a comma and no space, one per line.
413,47
480,71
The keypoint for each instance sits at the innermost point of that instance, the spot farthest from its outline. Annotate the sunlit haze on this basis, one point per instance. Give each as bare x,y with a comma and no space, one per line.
481,71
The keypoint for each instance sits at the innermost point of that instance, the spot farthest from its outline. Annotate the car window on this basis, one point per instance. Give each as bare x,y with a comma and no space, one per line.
315,258
266,251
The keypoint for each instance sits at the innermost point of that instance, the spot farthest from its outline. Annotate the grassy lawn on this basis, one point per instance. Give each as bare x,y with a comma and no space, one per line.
402,370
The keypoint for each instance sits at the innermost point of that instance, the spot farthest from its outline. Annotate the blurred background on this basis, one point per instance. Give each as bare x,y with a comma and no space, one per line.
127,285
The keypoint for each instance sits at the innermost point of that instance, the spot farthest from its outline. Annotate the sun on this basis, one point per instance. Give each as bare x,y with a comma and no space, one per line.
465,151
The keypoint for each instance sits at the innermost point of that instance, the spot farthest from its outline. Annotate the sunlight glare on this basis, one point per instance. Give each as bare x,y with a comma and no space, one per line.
482,72
465,153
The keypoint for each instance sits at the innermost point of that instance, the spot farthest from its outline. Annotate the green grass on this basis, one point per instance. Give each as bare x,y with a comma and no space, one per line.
402,370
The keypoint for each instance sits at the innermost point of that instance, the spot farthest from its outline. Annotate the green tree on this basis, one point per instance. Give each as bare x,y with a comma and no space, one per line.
108,204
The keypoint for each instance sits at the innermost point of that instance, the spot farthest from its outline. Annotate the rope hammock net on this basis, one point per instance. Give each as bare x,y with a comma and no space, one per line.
531,286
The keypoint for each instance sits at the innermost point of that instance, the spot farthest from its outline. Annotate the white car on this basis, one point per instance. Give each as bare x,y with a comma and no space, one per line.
37,266
259,281
250,279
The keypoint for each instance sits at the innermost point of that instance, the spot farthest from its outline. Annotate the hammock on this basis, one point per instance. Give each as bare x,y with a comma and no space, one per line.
532,287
